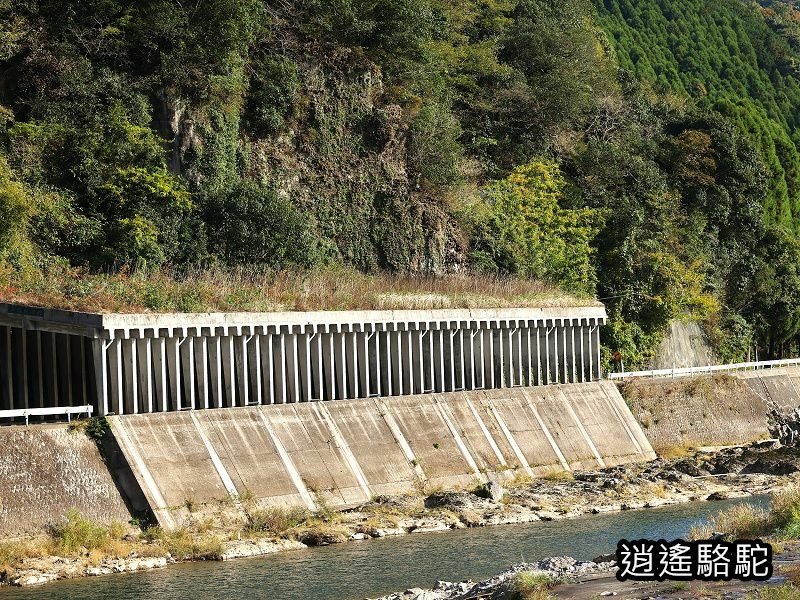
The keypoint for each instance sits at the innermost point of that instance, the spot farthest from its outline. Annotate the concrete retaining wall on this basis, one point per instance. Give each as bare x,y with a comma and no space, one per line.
350,450
45,470
710,410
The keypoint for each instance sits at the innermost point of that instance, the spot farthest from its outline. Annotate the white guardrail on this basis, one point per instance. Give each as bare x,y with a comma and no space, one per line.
688,371
56,410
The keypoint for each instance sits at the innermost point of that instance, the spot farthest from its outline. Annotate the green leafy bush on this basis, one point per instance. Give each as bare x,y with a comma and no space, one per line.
524,231
252,225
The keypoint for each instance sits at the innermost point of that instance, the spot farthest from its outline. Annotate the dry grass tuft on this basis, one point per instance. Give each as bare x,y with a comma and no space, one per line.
681,450
743,521
781,522
322,534
786,591
558,476
531,586
277,521
78,534
183,544
220,290
12,554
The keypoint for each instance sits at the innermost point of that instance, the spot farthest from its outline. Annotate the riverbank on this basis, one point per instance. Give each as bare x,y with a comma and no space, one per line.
726,473
568,578
564,578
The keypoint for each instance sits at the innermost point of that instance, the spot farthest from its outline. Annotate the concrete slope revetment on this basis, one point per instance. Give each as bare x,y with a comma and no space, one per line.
345,452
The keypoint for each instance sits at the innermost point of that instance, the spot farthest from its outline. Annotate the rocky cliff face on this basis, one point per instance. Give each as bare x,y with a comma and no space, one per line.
340,154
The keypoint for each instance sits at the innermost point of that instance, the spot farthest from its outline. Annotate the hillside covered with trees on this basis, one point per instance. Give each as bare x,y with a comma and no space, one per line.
644,152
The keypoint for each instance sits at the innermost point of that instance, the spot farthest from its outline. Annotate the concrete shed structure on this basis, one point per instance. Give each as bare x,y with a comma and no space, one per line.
147,363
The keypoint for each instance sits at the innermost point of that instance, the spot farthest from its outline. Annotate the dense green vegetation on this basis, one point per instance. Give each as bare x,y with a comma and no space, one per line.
646,152
730,61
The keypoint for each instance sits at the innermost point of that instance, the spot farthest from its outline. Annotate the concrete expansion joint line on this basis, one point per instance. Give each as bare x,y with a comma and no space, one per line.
344,448
222,472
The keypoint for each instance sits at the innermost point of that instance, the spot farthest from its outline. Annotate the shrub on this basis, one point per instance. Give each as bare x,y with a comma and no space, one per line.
14,208
785,512
273,86
97,428
78,533
276,520
253,226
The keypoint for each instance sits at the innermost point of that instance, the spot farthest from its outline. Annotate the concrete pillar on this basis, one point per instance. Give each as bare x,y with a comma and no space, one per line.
351,357
267,375
39,374
498,356
506,360
174,373
84,370
572,351
304,365
458,358
548,330
525,353
56,374
581,348
538,332
362,350
407,352
374,363
100,356
565,352
417,361
279,370
190,379
316,366
161,374
216,371
144,358
428,368
340,365
438,360
25,378
292,371
203,372
596,340
68,365
115,377
7,365
227,367
488,350
130,379
385,362
449,354
241,372
478,371
468,357
396,359
328,367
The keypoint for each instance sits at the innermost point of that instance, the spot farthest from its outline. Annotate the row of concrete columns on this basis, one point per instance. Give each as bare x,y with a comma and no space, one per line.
148,372
41,369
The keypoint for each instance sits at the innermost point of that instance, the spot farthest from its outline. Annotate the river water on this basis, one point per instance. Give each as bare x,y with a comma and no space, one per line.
372,568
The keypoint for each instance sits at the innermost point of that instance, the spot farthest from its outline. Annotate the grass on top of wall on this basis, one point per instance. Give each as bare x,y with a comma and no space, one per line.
226,290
